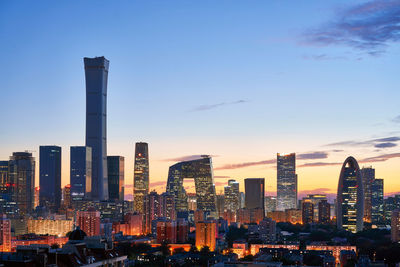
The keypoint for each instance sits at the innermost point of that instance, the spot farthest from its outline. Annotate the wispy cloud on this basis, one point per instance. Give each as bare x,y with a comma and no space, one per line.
187,158
312,155
383,157
396,119
318,164
222,176
368,27
158,183
246,164
217,105
322,57
385,142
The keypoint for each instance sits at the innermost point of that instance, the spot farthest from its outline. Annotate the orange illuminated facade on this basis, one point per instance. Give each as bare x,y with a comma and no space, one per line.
205,234
292,216
89,221
335,250
255,248
29,239
5,234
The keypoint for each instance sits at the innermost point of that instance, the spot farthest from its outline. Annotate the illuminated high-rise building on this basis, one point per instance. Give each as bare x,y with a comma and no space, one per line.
140,175
167,206
286,182
96,74
220,205
205,235
368,176
201,171
116,176
350,197
50,177
254,193
22,177
5,234
324,212
166,231
315,199
151,210
270,203
232,196
395,226
377,202
80,172
307,211
89,221
67,196
8,205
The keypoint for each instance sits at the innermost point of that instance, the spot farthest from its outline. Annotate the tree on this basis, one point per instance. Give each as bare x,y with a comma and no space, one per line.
193,249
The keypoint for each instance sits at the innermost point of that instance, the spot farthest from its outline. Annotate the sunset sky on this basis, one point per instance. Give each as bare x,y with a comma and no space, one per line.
238,80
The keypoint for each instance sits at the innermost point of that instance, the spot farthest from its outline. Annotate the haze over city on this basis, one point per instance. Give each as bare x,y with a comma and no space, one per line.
238,81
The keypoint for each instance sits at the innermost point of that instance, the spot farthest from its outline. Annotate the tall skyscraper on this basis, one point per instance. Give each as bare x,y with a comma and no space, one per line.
67,196
96,74
350,197
377,204
22,177
50,177
116,176
232,196
324,212
395,226
286,182
270,203
140,175
315,199
5,234
81,172
307,211
254,193
8,204
368,176
202,173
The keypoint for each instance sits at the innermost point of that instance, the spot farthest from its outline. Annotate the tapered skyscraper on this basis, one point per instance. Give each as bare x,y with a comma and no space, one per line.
141,175
96,73
286,182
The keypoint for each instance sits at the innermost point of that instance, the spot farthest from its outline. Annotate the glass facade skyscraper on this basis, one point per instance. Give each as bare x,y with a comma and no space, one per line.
232,196
22,177
202,172
286,182
96,74
81,172
254,193
50,177
116,177
350,197
140,175
368,176
7,191
377,204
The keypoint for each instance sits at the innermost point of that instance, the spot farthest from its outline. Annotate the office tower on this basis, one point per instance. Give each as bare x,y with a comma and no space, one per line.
166,231
89,221
232,196
315,199
242,200
151,210
22,177
307,211
199,216
270,203
286,182
267,230
167,206
350,197
36,197
395,226
254,193
67,196
324,212
377,206
116,176
205,234
50,177
80,172
368,176
96,75
220,205
5,234
182,231
8,204
202,173
390,204
141,175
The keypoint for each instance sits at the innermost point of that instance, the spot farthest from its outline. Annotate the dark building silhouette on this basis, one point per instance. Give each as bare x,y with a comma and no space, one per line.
377,204
50,177
22,177
324,212
232,196
80,172
286,182
116,177
96,74
201,171
350,197
307,211
140,175
254,193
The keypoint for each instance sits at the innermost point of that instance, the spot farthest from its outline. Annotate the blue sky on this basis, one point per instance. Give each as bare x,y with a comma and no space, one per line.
241,80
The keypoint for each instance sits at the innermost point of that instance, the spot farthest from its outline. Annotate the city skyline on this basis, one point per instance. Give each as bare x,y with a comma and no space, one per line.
249,116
